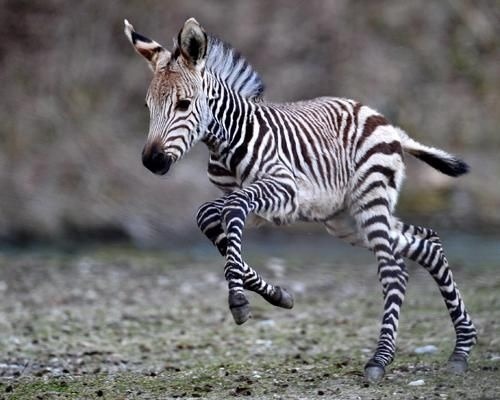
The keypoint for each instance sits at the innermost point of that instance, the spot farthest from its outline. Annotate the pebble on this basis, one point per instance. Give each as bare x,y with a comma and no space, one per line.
264,342
266,323
297,287
256,374
429,349
419,382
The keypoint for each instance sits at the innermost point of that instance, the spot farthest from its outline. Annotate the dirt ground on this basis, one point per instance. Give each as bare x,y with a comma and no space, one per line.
119,323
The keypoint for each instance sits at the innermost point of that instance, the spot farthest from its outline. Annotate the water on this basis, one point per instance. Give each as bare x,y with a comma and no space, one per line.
465,249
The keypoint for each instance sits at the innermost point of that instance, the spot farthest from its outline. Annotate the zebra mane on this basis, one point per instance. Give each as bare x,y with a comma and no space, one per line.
229,65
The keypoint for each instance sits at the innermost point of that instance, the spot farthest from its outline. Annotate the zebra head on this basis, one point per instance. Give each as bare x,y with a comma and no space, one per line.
175,98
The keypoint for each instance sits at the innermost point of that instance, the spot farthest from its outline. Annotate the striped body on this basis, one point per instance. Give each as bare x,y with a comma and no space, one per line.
325,146
327,160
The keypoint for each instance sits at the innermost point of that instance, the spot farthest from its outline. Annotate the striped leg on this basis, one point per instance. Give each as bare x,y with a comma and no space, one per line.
267,196
375,225
423,246
210,222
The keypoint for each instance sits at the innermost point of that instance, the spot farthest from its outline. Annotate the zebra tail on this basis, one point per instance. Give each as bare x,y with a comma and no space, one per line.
439,159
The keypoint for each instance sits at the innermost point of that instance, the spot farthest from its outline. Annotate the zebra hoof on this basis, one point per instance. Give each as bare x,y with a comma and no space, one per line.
457,364
240,308
280,298
374,373
286,298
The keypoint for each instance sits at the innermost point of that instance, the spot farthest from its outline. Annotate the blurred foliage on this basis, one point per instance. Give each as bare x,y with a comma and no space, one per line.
72,122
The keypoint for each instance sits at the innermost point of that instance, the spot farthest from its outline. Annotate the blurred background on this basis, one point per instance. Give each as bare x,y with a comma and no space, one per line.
72,120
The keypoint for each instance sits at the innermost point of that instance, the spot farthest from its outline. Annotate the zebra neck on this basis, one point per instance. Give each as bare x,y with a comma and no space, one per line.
215,139
231,116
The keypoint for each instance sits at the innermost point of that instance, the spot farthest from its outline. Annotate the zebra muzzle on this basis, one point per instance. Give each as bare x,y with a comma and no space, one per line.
157,162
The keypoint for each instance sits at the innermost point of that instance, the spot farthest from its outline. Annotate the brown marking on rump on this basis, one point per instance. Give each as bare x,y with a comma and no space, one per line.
381,148
371,123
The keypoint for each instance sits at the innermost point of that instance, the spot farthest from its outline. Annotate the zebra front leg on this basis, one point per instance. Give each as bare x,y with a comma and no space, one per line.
275,295
234,214
423,246
272,198
210,223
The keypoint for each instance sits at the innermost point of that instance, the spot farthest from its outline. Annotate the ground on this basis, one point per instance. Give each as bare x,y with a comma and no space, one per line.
119,323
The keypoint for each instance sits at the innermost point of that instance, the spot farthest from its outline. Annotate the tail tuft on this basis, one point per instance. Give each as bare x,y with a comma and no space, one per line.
451,166
441,160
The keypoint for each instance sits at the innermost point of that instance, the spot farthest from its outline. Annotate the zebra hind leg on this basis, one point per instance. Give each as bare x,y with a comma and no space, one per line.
394,278
424,246
375,225
209,222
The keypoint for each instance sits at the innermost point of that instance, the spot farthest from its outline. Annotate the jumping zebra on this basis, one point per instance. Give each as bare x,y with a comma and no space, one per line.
327,160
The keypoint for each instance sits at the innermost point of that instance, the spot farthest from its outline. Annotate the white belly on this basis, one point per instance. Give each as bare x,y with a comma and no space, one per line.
318,204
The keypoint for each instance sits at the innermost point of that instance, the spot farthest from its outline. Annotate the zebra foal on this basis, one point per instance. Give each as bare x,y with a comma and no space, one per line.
328,160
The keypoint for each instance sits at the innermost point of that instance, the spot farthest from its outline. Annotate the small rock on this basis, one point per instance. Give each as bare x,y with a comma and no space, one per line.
264,343
266,323
144,348
297,287
419,382
163,280
428,349
242,391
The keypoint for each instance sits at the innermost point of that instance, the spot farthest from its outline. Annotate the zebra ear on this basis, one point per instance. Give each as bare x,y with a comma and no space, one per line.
193,42
152,51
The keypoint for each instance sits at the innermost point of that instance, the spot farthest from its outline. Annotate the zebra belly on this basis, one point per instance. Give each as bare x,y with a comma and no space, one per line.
312,204
318,204
343,226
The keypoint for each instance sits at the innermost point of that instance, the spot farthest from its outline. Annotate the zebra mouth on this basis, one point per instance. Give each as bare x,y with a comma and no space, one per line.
163,171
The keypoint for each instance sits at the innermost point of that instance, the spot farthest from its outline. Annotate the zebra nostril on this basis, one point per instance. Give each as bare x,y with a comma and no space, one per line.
156,161
158,158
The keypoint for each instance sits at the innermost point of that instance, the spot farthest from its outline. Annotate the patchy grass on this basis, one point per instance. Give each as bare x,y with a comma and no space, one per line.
119,323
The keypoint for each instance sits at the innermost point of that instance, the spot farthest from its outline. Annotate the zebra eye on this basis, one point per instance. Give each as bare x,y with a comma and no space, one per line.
183,105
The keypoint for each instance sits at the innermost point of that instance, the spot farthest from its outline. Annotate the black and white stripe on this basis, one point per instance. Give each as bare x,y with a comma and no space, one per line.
327,160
